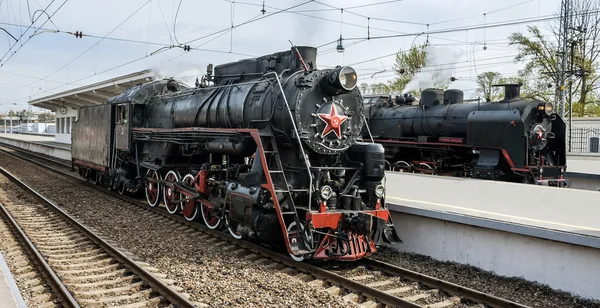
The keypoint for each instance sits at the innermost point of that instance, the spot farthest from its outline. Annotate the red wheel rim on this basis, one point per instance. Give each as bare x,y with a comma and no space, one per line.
152,188
209,219
190,210
169,193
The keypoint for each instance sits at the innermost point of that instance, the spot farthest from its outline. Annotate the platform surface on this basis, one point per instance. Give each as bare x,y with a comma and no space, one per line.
583,163
49,141
10,295
566,210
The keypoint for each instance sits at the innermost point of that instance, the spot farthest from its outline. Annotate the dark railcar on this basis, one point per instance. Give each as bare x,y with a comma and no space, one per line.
513,139
91,144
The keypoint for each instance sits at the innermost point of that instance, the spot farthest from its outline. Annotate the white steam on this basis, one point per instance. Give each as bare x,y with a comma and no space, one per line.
186,74
440,64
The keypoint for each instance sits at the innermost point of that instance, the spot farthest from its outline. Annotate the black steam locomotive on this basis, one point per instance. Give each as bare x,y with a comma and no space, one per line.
268,148
511,140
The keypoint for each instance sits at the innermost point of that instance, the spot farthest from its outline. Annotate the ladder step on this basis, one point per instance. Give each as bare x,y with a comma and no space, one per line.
288,213
270,152
275,171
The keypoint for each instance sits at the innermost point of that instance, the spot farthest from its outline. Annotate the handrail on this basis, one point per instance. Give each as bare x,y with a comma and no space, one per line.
304,156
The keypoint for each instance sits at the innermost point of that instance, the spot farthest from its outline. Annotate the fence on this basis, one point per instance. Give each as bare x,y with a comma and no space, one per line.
585,140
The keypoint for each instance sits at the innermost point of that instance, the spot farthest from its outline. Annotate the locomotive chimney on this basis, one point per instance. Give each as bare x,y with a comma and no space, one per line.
453,96
512,91
431,97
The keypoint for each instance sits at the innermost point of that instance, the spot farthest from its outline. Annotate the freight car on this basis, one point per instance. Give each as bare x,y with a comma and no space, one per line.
510,140
268,148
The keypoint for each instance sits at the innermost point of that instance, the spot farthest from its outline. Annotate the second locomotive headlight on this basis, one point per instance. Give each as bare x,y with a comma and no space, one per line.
546,108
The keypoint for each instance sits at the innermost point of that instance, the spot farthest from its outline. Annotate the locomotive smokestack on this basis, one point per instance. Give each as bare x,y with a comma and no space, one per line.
512,91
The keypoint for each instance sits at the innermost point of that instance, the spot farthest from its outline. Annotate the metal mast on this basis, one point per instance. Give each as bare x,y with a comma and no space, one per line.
566,20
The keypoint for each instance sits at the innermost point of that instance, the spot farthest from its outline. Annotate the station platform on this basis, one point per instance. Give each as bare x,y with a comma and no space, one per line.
559,209
10,296
543,234
39,144
583,169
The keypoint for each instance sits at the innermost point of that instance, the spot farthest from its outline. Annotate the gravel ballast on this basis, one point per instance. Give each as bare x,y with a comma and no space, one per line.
216,277
209,273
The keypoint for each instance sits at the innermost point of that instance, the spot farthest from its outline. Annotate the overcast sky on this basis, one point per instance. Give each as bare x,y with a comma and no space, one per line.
39,67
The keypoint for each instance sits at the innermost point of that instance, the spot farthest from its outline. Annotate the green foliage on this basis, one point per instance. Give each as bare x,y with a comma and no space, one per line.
537,51
363,88
485,89
380,88
542,62
408,64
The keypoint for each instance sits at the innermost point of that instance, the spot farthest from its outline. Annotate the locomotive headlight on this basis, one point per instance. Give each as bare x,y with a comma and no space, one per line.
340,80
326,192
379,190
348,78
548,108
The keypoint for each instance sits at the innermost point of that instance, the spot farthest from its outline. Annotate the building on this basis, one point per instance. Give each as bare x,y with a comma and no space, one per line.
585,135
66,104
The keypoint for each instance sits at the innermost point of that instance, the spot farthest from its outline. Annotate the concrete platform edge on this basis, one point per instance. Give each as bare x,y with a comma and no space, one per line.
580,175
498,225
12,285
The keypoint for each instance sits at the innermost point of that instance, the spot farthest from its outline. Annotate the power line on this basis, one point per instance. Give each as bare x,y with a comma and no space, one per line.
479,15
467,28
367,17
22,34
247,22
318,17
98,42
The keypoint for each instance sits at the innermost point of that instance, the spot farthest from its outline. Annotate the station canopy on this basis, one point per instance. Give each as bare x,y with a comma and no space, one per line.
93,94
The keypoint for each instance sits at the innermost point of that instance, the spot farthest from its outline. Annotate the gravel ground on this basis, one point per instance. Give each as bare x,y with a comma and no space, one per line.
212,275
14,254
515,289
209,273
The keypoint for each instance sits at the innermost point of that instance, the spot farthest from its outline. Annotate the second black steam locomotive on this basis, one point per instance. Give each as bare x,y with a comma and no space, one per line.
266,148
510,140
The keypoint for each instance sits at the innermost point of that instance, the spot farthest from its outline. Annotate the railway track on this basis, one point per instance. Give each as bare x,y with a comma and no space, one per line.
82,269
368,283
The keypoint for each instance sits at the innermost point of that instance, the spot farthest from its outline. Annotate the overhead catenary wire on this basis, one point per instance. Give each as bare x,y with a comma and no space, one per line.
474,27
465,28
318,17
167,48
165,21
175,18
98,42
29,27
247,22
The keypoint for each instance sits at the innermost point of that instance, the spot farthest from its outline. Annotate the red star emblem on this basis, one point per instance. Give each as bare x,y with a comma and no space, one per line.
540,134
334,122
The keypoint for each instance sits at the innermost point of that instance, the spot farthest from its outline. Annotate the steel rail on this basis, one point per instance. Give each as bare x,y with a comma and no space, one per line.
335,279
56,284
449,287
170,294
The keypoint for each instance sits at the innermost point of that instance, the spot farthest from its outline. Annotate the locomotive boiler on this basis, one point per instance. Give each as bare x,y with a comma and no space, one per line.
267,148
510,140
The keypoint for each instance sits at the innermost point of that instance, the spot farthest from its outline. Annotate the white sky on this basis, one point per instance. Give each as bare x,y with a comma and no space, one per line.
43,59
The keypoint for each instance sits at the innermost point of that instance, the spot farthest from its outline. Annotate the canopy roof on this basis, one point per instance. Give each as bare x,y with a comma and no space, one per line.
93,94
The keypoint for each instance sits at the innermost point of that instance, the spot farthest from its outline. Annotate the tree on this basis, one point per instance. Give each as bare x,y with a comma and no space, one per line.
408,64
46,117
485,82
380,88
542,63
363,88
